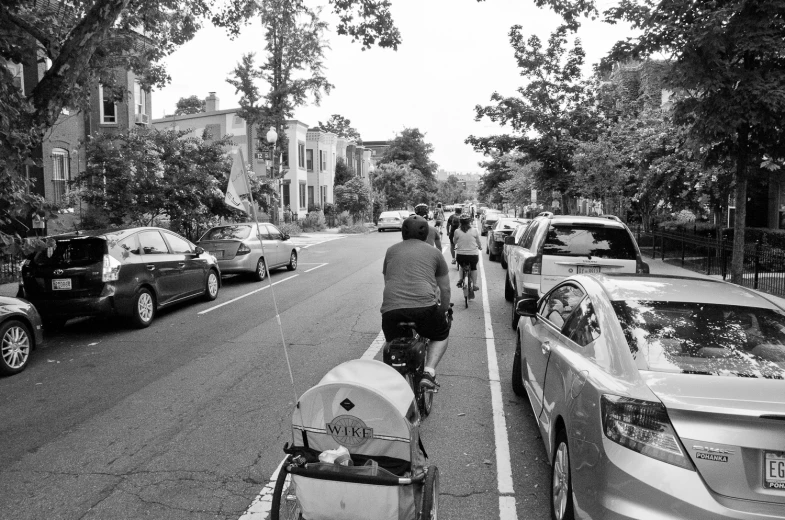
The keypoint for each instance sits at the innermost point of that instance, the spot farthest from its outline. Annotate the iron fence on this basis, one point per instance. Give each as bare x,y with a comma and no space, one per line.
10,268
763,267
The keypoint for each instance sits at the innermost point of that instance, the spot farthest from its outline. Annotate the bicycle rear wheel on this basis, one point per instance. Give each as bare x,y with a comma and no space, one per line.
285,506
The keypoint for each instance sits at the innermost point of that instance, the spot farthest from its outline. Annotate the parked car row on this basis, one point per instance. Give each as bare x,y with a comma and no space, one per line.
656,396
132,273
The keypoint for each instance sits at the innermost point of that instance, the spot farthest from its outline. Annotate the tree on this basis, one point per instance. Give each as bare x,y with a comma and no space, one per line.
554,108
88,42
727,69
354,196
450,192
343,173
341,127
190,105
397,182
517,191
409,148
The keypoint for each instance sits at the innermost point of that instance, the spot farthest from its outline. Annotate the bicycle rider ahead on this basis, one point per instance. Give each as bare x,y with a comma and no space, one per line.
413,270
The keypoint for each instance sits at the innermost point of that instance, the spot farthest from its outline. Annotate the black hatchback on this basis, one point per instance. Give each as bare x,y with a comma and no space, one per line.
131,273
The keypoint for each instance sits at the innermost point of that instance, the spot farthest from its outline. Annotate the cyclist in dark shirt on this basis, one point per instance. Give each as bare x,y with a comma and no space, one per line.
453,223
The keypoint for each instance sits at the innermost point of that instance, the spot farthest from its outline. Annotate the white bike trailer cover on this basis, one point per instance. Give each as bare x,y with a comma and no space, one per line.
369,408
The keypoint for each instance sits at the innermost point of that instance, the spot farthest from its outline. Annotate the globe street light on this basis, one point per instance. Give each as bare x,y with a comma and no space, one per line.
371,169
272,138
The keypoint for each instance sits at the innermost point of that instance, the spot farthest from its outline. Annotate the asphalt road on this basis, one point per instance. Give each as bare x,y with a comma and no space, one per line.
186,419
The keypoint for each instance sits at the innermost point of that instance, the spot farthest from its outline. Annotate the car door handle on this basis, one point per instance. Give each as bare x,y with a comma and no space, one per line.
150,267
546,347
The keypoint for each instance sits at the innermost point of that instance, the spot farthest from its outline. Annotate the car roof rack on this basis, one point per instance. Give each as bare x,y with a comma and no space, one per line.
611,217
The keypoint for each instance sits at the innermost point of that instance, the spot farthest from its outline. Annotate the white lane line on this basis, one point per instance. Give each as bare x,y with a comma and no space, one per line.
245,295
376,346
507,509
317,267
261,506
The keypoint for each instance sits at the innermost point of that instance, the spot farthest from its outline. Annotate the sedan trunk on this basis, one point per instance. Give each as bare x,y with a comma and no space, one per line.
733,429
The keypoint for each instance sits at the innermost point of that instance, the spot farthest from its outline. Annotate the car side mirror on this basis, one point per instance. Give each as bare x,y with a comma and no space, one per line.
285,236
199,250
509,241
526,308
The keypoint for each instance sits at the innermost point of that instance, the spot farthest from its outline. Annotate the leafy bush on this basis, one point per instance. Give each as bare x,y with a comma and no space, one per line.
354,229
345,219
314,207
314,221
329,208
290,228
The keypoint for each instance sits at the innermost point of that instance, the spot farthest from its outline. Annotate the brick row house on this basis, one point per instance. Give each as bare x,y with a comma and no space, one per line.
61,153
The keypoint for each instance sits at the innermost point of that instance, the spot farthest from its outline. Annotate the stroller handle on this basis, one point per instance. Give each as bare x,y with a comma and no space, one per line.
337,473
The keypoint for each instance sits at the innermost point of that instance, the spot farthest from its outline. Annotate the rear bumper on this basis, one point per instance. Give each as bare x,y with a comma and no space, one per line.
495,247
626,485
390,225
238,264
92,306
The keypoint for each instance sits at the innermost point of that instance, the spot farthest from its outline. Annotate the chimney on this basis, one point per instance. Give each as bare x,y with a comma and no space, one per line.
211,103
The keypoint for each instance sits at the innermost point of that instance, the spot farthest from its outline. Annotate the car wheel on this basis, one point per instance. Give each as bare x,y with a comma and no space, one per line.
561,480
292,265
15,346
211,286
486,249
517,371
504,264
492,257
144,309
515,316
260,273
379,230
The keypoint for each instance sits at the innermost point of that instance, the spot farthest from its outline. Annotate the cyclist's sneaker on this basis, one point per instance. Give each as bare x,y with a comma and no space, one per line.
459,284
428,381
475,288
471,294
453,261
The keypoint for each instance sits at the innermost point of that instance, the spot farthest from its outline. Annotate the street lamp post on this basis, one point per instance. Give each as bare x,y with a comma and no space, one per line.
371,169
272,138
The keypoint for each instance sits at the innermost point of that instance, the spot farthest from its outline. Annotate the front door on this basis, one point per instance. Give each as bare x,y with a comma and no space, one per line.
274,247
192,274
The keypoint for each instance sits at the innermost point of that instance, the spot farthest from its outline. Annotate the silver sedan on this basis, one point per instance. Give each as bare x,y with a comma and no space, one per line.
657,397
244,248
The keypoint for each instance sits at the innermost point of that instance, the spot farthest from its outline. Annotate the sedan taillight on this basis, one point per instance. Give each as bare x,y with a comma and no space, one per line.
243,250
642,426
532,265
111,269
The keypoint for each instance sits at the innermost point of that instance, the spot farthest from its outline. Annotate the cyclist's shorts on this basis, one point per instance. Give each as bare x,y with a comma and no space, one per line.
431,323
439,223
468,259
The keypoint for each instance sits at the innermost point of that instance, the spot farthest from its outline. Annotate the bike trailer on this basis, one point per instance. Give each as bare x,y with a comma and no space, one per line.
368,408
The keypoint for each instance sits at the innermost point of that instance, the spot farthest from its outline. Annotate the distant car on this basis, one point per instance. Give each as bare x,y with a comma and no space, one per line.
390,220
511,242
656,397
488,220
239,251
130,272
503,228
557,246
21,331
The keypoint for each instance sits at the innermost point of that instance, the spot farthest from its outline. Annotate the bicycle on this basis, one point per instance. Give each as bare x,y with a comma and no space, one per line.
407,355
466,283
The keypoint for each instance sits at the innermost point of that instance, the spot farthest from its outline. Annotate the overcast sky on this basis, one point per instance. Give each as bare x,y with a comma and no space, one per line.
454,55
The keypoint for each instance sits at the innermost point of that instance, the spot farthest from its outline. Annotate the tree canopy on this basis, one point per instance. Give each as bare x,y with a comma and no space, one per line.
342,127
190,105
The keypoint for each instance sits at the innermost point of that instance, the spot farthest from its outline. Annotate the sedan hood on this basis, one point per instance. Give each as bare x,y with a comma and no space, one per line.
733,429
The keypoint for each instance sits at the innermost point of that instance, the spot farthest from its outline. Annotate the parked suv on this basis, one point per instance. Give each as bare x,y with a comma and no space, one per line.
557,246
131,273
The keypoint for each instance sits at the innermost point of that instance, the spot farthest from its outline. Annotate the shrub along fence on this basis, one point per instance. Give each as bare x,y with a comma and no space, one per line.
764,265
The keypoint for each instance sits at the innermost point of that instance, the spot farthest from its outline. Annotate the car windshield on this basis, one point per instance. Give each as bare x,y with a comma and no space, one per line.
228,233
593,241
72,253
704,338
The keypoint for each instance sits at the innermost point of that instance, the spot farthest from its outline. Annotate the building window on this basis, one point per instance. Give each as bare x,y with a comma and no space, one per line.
287,200
310,196
61,175
140,98
323,194
17,72
301,155
302,195
309,160
108,108
322,161
285,159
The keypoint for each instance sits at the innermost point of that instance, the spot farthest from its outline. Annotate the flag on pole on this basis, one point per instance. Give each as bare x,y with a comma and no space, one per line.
238,183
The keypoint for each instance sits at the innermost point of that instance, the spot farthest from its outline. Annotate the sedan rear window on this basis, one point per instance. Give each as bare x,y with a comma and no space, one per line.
72,253
594,241
703,338
228,233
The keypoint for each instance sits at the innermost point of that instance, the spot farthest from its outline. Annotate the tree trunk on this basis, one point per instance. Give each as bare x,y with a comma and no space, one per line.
740,177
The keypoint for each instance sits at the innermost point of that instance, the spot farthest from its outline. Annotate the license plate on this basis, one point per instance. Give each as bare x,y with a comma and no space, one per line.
588,269
774,471
218,253
61,284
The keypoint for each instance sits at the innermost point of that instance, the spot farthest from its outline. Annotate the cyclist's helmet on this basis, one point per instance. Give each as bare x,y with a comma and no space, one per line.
421,210
415,227
465,217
